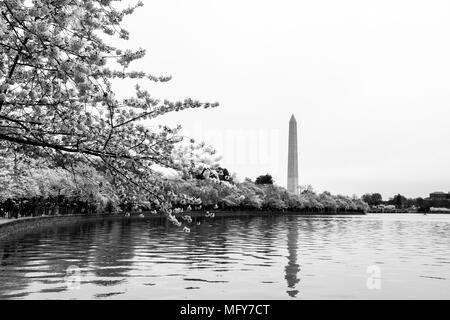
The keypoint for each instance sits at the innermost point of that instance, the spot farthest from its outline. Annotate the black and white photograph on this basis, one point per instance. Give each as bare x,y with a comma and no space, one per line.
212,150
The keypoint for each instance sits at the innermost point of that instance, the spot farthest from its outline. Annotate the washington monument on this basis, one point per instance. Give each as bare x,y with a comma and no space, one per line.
292,174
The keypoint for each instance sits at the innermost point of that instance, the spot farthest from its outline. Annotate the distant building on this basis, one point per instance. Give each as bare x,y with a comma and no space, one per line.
439,196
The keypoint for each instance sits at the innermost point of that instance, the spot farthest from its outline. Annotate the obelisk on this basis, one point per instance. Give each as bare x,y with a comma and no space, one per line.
292,174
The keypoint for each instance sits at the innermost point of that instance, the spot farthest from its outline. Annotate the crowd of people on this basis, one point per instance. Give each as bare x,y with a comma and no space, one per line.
40,206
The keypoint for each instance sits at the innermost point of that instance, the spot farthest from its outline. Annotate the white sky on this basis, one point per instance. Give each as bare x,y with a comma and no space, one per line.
368,82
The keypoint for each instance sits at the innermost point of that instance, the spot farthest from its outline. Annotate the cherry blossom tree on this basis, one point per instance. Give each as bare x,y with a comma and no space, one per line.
57,101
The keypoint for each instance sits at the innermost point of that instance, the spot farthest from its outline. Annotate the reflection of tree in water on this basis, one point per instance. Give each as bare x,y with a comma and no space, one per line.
113,249
103,249
292,268
11,274
21,256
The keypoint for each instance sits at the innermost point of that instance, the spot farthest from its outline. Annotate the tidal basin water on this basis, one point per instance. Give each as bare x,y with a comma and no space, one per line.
285,257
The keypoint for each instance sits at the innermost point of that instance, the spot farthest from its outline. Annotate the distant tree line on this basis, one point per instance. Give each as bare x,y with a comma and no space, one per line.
260,195
27,189
401,202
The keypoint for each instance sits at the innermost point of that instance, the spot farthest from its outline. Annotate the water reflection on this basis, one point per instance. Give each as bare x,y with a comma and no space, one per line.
292,268
263,258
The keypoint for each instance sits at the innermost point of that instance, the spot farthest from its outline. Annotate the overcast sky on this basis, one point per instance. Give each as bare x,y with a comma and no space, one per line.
368,81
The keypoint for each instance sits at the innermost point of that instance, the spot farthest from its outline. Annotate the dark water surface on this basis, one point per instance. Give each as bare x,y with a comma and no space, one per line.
286,257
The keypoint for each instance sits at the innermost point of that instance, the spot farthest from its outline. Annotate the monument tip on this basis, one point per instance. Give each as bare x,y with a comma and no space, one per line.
292,118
